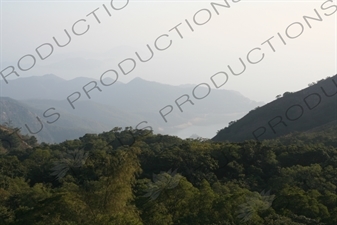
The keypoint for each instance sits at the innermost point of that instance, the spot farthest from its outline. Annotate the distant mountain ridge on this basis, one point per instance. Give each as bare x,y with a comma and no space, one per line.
69,126
302,111
122,105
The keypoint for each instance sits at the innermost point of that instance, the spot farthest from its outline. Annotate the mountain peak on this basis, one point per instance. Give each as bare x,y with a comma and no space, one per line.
137,80
52,76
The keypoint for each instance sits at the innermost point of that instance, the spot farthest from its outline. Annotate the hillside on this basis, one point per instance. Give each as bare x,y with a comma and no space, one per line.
68,127
136,177
300,111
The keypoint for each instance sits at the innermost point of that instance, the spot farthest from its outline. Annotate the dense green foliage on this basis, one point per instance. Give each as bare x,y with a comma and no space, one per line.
133,177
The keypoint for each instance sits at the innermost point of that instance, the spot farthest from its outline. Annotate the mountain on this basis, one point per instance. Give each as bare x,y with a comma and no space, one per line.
48,86
129,104
68,126
303,111
91,117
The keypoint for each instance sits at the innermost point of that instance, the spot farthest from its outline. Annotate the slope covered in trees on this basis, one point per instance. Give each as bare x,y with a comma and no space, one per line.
135,177
301,111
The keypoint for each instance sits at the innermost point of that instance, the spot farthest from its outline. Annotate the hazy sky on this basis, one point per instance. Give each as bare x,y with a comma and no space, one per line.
193,59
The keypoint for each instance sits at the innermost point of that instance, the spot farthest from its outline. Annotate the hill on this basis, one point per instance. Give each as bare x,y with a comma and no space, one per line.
300,111
69,126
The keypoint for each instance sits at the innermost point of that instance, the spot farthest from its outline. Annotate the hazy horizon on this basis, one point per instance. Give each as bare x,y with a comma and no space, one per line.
209,49
191,85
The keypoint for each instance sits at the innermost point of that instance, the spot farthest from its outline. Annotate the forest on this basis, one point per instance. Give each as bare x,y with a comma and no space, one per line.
134,177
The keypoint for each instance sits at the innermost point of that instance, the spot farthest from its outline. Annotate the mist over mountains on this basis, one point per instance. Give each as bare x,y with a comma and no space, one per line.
23,99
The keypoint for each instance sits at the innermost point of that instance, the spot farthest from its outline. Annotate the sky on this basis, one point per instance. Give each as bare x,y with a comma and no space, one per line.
220,37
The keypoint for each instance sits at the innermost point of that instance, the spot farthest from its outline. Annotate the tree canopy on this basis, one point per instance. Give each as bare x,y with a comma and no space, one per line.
134,177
